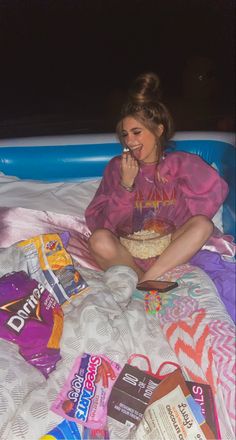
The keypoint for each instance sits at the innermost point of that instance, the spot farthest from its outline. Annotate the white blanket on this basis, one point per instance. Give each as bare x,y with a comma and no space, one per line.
110,319
191,329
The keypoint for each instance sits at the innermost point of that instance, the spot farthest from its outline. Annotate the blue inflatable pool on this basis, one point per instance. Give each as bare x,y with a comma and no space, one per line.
82,157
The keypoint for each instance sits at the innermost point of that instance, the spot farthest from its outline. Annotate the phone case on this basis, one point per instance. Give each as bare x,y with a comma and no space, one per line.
161,286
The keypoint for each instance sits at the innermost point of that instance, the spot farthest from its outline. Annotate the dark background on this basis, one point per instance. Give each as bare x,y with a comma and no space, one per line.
66,65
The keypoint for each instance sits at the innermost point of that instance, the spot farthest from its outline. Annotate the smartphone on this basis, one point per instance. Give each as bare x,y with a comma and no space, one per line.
161,286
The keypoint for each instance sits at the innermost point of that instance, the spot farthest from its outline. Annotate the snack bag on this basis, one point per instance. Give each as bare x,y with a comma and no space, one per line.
130,395
84,397
173,413
65,430
31,318
50,263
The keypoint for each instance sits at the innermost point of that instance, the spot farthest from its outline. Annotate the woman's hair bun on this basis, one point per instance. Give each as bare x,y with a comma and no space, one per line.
145,89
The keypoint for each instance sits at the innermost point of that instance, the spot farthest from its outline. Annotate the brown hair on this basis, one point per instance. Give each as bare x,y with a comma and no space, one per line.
144,105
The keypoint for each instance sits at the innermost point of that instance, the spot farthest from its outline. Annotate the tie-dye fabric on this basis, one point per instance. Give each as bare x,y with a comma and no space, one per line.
193,187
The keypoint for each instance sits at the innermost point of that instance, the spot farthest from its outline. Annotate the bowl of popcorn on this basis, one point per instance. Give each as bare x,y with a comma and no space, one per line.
148,243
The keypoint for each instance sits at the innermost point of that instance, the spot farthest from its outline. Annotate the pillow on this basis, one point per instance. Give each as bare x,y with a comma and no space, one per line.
218,217
61,208
18,224
61,197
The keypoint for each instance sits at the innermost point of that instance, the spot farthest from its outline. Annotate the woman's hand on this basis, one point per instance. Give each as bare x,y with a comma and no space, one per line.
163,173
160,178
129,169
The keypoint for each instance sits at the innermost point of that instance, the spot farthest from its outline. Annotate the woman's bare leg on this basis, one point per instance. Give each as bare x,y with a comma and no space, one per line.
108,251
186,241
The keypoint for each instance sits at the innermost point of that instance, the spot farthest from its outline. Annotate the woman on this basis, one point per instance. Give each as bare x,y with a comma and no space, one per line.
144,185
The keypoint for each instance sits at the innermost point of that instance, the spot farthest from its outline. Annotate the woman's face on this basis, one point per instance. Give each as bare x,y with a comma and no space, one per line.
141,142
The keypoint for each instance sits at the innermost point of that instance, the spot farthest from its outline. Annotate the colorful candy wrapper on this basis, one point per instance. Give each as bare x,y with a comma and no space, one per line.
152,301
95,434
66,430
84,397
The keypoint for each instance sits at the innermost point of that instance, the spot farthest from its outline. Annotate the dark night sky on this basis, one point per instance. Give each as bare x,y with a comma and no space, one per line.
66,64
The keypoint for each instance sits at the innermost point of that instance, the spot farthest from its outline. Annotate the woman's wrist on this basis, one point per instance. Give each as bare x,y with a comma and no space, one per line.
129,188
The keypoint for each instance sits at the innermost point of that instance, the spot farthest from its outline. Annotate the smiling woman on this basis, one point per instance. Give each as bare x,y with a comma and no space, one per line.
136,136
144,105
144,185
107,318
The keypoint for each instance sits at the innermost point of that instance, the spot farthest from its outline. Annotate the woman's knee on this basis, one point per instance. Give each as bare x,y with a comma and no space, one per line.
203,223
102,241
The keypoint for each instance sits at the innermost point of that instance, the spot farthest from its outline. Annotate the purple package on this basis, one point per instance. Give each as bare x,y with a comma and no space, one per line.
31,318
65,238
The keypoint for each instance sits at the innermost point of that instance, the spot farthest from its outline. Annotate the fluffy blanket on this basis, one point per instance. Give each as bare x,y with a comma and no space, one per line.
192,329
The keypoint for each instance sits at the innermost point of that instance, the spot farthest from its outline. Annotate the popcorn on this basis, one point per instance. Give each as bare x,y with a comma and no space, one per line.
146,244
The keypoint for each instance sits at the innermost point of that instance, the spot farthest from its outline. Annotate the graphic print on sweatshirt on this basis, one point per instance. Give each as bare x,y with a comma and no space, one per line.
158,204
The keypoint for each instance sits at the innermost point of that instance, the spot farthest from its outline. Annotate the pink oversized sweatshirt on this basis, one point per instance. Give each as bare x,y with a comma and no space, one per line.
193,187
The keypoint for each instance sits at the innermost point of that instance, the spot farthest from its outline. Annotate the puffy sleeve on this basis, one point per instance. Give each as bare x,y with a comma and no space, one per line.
111,204
202,187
